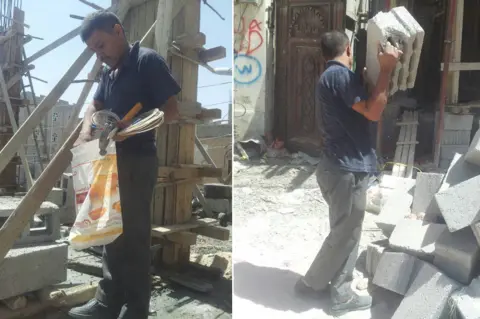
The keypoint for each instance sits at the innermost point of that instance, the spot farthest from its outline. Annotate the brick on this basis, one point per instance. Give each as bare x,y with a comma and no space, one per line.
396,207
416,237
459,171
447,152
426,186
467,300
456,137
473,154
375,251
428,295
460,204
457,122
31,268
456,254
394,272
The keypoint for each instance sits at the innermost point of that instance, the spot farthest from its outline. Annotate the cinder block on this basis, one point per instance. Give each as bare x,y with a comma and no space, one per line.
460,204
452,137
448,152
394,272
473,153
459,171
9,203
56,196
415,237
396,207
426,187
454,122
375,251
476,232
428,295
397,183
31,268
467,300
456,254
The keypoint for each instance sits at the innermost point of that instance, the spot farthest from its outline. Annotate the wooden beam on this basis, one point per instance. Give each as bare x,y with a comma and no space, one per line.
462,66
183,238
188,172
214,232
192,224
206,156
190,41
21,136
213,54
35,196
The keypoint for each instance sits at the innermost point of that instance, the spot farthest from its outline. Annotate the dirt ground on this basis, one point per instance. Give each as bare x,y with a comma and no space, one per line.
280,223
170,300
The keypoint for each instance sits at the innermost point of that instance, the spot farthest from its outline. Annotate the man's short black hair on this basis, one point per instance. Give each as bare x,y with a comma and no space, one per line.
333,44
98,21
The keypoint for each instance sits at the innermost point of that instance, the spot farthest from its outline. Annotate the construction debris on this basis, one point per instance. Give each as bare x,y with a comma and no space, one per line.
432,255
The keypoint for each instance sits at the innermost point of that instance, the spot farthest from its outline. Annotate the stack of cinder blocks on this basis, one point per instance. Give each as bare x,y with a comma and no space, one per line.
398,26
432,254
457,130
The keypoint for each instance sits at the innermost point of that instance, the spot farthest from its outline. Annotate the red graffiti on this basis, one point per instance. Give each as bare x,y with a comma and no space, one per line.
252,38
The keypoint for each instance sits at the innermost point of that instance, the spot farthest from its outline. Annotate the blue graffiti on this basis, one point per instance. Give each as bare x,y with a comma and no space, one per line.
247,69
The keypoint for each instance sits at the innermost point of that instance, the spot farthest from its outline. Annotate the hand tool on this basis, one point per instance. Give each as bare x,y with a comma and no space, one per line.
112,128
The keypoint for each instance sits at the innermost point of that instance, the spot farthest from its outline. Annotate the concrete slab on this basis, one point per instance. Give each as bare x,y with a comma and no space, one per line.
456,254
56,196
459,171
31,268
473,154
394,272
448,152
416,237
467,300
457,122
460,204
396,207
428,295
456,137
375,251
9,203
426,187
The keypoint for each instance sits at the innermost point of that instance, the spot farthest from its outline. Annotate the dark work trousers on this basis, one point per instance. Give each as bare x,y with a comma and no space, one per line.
345,193
126,282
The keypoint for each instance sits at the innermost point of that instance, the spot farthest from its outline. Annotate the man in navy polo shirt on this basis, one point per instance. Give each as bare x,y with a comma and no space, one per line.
134,74
345,112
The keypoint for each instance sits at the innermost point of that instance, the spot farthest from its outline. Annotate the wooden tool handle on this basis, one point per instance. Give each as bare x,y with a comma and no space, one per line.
134,111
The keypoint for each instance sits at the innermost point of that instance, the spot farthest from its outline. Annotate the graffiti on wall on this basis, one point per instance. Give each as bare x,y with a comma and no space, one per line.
248,40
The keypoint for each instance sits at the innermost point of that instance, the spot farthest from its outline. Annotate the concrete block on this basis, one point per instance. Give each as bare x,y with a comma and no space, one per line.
375,251
31,268
397,183
460,204
456,254
426,186
9,203
56,196
454,122
456,137
428,295
467,300
459,171
473,153
394,272
416,237
396,207
447,152
476,232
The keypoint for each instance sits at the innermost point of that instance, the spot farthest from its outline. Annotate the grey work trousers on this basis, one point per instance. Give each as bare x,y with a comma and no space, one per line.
345,193
126,283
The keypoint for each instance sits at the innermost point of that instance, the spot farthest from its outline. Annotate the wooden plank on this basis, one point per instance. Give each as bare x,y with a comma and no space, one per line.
29,204
405,148
398,151
462,66
457,51
183,238
192,224
411,154
215,232
21,136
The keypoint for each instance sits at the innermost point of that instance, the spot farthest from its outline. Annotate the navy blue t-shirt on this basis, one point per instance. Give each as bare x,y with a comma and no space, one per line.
143,77
345,132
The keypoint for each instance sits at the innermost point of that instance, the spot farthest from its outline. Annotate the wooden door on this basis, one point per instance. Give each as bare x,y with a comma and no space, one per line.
299,64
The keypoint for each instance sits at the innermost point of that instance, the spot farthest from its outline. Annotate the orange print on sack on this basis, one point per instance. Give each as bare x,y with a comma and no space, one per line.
97,213
117,207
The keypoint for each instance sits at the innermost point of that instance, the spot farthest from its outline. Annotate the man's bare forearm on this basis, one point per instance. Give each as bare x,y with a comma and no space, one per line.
379,96
170,110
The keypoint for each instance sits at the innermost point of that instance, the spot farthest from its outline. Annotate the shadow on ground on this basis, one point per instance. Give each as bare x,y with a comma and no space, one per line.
272,288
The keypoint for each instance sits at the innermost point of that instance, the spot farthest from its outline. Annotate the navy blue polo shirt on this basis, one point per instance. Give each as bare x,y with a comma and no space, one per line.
143,77
346,133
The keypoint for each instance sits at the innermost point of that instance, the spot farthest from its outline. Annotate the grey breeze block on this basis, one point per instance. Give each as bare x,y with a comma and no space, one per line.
467,300
473,153
394,272
426,187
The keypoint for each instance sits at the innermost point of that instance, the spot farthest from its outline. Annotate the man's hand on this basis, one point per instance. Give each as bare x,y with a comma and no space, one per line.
388,57
83,137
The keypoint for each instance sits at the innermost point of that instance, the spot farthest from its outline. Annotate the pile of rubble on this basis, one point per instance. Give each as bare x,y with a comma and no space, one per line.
431,256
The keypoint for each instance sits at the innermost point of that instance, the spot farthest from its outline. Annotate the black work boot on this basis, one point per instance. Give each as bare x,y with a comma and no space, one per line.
350,302
91,310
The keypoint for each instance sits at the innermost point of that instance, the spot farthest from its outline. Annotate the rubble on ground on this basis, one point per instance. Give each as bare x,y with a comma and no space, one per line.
432,254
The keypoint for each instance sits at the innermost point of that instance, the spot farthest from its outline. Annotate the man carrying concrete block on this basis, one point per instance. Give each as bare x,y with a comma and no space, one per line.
345,111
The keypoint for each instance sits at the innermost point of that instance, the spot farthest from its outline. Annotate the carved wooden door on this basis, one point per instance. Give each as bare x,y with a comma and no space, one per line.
299,64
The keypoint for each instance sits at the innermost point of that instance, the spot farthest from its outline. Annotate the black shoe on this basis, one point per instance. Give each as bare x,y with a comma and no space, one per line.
355,303
302,289
91,310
